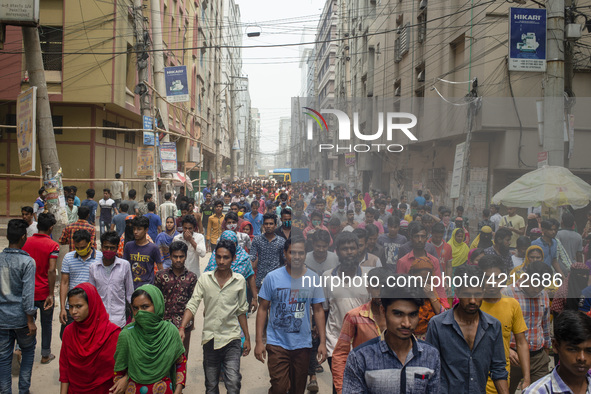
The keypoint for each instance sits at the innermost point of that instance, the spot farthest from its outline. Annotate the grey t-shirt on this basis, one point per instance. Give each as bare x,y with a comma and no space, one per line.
330,263
572,242
132,204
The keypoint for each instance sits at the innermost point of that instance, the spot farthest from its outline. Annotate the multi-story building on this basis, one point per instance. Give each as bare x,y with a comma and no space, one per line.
435,61
253,142
283,156
91,91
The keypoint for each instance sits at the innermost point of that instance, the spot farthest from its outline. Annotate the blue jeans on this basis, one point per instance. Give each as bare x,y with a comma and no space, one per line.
104,227
227,357
27,346
46,322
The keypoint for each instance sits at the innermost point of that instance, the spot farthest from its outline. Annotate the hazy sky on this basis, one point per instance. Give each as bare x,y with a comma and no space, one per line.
274,74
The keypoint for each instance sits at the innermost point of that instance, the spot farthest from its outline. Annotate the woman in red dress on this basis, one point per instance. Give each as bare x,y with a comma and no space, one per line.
88,344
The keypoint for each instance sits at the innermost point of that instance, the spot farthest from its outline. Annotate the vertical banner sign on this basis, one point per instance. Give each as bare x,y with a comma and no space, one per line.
145,161
149,135
26,104
350,159
168,162
177,85
527,39
456,179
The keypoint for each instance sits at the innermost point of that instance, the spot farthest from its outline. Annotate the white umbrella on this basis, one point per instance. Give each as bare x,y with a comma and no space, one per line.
550,186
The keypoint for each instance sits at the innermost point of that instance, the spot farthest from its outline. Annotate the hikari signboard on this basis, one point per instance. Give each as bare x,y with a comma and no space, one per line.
527,39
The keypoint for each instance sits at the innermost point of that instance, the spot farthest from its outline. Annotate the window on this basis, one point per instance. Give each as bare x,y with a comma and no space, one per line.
130,76
58,123
401,43
422,28
130,137
108,133
51,38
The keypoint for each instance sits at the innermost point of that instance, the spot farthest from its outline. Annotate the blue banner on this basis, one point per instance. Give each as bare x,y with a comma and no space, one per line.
177,85
527,39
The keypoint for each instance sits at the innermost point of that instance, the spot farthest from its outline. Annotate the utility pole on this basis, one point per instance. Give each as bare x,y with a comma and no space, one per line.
142,64
50,164
159,80
554,85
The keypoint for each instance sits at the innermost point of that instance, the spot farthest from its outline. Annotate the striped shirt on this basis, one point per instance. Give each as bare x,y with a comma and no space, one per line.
374,368
78,269
536,313
553,384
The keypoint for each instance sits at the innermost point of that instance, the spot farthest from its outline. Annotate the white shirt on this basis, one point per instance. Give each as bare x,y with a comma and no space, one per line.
192,262
32,229
339,301
496,219
116,189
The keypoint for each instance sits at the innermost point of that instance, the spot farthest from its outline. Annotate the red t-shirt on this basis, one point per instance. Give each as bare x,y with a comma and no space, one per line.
444,254
41,248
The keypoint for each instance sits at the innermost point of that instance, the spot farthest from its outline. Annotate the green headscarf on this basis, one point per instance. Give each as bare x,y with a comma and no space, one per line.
149,347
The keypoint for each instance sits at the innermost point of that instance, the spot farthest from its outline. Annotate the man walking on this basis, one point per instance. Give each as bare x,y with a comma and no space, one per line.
17,307
67,237
535,306
289,293
142,254
383,364
108,207
195,243
45,252
112,278
91,204
266,252
223,293
117,189
469,341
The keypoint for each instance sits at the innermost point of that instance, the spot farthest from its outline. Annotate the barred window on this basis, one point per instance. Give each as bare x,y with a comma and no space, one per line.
51,38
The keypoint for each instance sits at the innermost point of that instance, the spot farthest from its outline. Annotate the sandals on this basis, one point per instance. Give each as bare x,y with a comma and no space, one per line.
47,360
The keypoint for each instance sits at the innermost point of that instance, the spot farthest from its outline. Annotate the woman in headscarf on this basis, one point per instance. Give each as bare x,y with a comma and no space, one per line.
459,249
484,239
367,200
164,240
150,356
570,295
241,265
88,344
433,304
532,254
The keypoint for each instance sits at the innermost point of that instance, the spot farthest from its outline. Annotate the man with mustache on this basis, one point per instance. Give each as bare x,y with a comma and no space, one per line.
501,248
470,341
345,297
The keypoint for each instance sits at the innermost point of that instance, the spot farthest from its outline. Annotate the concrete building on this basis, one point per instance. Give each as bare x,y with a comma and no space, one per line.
283,156
253,142
94,91
423,58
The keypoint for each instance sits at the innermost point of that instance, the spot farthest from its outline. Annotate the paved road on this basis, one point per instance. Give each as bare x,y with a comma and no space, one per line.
255,376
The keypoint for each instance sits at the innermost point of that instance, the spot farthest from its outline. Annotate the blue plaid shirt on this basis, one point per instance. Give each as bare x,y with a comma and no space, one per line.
374,368
17,288
553,384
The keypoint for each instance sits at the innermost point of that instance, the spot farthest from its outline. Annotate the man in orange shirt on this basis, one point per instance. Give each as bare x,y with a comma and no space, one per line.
360,325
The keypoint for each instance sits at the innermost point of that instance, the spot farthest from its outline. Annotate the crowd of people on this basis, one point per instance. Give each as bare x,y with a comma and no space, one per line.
129,293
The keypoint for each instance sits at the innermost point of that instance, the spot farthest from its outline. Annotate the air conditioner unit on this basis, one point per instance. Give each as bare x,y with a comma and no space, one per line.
421,76
397,92
423,5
